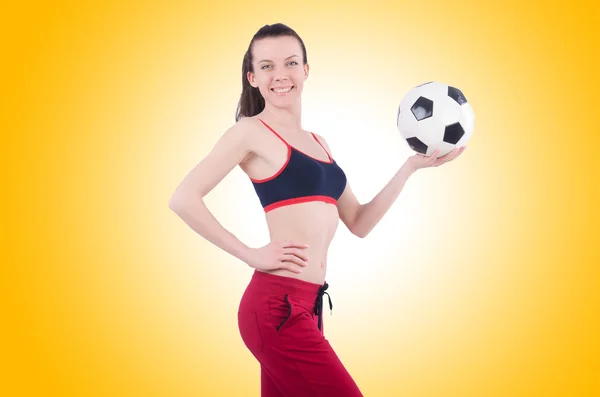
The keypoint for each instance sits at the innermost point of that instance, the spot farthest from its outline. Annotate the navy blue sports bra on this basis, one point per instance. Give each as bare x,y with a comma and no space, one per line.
302,178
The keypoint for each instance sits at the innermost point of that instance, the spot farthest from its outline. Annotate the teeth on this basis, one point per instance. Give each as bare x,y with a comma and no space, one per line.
282,90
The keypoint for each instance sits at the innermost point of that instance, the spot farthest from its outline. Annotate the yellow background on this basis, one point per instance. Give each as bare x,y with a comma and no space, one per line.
481,281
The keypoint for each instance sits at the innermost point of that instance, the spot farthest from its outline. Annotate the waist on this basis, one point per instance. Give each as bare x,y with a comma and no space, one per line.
282,285
314,222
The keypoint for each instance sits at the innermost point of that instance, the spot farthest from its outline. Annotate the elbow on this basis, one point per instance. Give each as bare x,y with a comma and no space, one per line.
177,202
175,205
359,232
182,200
358,227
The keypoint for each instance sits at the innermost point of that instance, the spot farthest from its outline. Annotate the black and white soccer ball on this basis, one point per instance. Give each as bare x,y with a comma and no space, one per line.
435,116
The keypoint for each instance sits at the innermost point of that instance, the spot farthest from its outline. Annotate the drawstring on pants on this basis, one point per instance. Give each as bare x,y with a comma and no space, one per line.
319,303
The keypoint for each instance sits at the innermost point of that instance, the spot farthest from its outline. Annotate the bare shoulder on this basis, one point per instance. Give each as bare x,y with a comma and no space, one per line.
242,130
234,146
249,130
323,142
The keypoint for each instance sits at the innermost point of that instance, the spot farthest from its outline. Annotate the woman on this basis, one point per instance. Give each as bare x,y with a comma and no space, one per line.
304,194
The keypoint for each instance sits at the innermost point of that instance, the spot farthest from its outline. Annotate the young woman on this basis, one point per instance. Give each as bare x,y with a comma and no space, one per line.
304,193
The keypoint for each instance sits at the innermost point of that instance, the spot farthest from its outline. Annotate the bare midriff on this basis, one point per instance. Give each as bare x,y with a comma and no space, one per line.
313,223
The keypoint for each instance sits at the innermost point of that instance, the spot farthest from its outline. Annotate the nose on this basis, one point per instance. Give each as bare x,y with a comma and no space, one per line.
281,78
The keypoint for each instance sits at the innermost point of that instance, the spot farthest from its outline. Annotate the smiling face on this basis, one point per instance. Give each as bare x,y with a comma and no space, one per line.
279,70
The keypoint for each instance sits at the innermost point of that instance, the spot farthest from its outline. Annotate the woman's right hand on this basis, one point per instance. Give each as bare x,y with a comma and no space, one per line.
287,255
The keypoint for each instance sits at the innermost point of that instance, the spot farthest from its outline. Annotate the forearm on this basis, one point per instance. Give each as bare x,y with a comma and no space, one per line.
372,212
196,215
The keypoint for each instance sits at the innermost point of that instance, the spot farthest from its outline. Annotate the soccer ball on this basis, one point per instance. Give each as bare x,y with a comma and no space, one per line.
435,116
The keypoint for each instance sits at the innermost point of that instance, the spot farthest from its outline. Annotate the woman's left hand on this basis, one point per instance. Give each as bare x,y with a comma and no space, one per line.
419,161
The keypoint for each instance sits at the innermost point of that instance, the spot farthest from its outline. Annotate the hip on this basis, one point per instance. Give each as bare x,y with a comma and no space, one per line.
265,286
276,301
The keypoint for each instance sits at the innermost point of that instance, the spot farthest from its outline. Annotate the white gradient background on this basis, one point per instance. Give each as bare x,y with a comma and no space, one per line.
481,280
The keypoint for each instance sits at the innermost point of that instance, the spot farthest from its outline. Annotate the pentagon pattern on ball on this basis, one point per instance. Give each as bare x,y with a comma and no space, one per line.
453,133
422,108
417,145
457,95
444,128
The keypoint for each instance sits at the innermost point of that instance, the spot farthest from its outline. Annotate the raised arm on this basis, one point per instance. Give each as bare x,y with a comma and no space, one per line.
232,148
368,215
359,218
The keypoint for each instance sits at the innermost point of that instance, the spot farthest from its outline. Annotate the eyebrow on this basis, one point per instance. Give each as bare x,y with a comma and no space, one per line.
268,60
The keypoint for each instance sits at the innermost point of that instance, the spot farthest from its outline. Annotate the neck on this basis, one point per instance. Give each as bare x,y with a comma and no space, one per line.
288,118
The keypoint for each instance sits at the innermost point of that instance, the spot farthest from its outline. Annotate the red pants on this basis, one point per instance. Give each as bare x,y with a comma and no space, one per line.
280,322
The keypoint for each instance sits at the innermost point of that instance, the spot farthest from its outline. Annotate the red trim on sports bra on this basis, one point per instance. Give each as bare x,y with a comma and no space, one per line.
319,142
273,131
282,203
289,156
298,150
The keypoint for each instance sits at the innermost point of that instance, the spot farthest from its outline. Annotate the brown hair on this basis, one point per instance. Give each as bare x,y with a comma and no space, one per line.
251,101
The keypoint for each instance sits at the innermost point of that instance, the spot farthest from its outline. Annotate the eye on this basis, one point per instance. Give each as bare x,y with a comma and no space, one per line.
265,66
294,62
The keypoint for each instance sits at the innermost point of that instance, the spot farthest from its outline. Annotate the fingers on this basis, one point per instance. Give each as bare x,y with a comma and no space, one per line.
447,157
457,152
295,256
296,252
450,154
293,269
293,259
292,256
293,244
422,161
428,161
454,153
434,156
